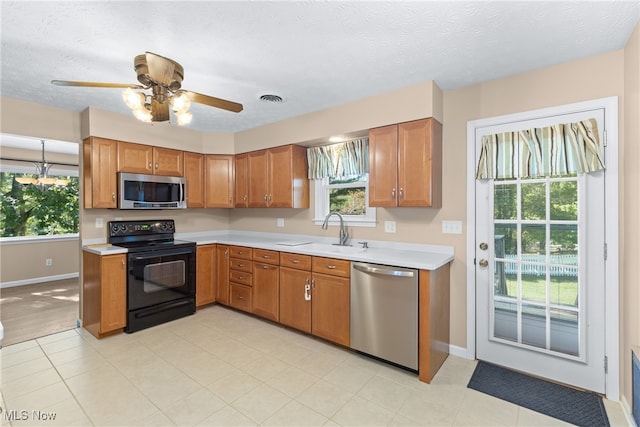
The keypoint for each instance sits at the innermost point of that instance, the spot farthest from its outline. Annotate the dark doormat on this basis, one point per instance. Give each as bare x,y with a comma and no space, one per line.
564,403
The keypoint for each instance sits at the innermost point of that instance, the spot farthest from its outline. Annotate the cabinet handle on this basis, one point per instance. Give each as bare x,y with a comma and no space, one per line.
269,198
149,165
113,196
240,265
156,166
393,193
307,289
226,253
295,261
123,265
265,267
401,192
240,297
266,256
240,252
331,267
245,197
265,197
239,277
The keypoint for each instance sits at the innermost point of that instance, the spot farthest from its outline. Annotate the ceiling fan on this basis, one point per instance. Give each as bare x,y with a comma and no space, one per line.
164,77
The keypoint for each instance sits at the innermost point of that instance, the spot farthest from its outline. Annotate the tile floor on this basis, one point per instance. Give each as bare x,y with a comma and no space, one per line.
223,368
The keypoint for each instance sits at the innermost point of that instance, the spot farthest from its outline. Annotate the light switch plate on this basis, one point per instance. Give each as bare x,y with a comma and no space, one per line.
452,227
280,222
389,226
99,223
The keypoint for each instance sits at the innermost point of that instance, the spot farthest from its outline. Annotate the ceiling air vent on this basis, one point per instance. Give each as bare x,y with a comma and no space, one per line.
271,98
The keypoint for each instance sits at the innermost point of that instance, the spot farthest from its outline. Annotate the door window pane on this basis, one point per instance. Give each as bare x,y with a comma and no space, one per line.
563,244
534,238
506,240
564,332
564,286
505,323
534,282
534,329
506,279
564,200
505,201
534,201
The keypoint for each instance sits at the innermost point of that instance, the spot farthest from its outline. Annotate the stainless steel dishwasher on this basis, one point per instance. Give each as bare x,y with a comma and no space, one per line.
384,312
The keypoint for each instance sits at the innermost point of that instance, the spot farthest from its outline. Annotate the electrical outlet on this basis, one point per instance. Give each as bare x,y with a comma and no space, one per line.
99,222
280,222
389,226
48,262
452,227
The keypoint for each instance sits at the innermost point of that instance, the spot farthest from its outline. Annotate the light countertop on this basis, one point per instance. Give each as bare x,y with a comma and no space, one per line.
399,254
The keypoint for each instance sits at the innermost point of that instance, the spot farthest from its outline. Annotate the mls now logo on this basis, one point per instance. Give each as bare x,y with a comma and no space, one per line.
24,415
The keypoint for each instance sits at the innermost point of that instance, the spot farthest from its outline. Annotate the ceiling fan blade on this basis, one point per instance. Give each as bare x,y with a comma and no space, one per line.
214,102
164,71
95,84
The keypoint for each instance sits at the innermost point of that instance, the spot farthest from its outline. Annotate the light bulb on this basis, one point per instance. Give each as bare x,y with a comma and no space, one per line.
142,114
184,118
180,102
133,99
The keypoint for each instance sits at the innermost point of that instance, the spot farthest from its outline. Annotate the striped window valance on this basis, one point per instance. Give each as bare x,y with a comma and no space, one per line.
349,158
558,150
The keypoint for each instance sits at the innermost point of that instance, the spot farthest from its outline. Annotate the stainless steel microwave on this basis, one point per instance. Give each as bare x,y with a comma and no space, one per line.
139,191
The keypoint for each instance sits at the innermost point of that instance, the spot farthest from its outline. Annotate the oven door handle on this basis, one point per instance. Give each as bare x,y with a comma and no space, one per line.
160,253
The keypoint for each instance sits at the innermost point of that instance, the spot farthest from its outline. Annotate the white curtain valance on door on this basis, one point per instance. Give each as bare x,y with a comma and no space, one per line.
558,150
349,158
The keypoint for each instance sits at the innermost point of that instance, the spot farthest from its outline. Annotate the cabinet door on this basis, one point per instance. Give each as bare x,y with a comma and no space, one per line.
135,158
419,159
222,274
99,173
258,179
280,193
194,174
205,274
330,308
240,297
241,181
168,162
113,282
218,181
295,310
266,286
383,166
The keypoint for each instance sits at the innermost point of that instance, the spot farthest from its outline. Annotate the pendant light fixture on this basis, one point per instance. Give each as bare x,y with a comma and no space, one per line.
42,170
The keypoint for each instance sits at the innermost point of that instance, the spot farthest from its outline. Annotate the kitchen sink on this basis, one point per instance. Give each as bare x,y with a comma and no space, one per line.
336,249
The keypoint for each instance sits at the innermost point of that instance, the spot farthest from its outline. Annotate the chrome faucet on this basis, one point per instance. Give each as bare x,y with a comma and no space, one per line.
344,234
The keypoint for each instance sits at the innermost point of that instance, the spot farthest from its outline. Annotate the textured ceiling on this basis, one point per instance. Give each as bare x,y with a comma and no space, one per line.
313,54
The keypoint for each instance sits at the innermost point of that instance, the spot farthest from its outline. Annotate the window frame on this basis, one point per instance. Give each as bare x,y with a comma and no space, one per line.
322,188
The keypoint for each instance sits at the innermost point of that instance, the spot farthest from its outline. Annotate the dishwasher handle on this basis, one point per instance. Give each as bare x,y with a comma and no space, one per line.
387,271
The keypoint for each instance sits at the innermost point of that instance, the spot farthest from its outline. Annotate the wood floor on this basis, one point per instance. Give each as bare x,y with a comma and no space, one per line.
37,310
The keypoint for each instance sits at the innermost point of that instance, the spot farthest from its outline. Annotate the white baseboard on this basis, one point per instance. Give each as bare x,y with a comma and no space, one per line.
38,280
626,409
454,350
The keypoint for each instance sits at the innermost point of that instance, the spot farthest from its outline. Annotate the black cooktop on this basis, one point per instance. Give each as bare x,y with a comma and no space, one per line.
145,235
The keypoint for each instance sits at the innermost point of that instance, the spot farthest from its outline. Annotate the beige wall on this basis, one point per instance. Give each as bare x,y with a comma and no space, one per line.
630,196
26,261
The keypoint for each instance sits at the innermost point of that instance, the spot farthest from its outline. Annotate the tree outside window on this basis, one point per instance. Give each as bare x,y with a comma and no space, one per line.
28,210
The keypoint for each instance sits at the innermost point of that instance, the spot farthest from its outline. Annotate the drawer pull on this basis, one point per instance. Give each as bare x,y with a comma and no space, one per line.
240,265
331,267
266,256
239,277
240,252
240,297
295,261
265,267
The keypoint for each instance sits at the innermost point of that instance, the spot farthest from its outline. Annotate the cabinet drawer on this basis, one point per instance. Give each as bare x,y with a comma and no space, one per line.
240,277
297,261
240,252
240,264
240,297
335,267
263,255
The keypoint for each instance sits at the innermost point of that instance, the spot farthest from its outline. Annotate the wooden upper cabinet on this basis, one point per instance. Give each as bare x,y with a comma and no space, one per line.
278,177
218,181
140,158
405,164
258,178
194,174
241,180
100,162
168,162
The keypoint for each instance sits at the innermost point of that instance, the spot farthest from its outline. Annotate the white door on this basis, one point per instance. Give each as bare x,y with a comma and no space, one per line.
540,270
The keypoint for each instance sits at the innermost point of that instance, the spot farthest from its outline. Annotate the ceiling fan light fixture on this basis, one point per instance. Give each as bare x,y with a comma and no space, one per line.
133,99
180,102
184,118
142,114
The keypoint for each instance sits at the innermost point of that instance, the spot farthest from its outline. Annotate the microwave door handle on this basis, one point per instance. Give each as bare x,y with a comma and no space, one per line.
182,192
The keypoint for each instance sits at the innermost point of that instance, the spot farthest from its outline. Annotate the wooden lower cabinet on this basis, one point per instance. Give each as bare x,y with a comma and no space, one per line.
330,308
205,274
104,293
222,274
240,296
266,290
295,310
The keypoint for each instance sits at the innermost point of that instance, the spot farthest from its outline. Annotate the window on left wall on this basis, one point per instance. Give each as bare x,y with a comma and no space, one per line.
29,210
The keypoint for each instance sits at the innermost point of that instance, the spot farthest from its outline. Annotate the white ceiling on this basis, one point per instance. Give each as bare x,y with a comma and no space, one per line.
313,54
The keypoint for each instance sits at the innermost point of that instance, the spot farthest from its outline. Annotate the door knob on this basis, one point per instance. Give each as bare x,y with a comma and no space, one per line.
483,263
484,246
